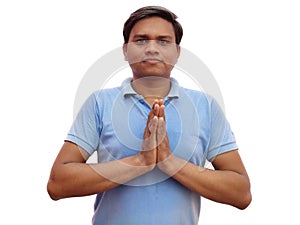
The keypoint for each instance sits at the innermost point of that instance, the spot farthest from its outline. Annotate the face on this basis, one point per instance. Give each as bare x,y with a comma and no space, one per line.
151,49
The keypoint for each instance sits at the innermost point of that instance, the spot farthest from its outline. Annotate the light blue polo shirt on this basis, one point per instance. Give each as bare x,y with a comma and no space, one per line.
112,122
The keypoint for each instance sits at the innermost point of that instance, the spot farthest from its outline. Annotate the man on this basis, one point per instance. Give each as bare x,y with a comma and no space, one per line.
152,138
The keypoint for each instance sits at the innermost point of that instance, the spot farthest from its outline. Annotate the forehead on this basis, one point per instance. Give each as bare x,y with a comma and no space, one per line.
153,26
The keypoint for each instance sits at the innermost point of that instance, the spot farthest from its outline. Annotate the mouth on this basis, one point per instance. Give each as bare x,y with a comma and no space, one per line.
151,60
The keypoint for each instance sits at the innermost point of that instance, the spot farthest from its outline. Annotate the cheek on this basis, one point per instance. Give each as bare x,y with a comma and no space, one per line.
133,54
134,57
171,59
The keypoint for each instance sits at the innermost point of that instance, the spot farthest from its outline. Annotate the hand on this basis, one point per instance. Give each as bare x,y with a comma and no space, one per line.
148,153
155,147
163,146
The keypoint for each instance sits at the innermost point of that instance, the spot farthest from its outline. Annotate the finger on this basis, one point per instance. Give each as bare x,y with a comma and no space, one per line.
152,126
154,103
156,110
160,102
153,129
161,112
148,124
161,126
161,130
149,141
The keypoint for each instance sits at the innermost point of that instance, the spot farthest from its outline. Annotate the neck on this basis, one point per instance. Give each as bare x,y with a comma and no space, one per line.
152,86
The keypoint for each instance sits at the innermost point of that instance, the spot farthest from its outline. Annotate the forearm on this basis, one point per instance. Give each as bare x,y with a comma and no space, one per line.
81,179
222,186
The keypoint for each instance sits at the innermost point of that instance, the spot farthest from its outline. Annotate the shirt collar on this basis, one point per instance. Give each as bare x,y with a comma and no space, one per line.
128,90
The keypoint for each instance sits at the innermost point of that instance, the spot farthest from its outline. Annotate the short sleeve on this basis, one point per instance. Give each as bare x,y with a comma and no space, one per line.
86,127
221,136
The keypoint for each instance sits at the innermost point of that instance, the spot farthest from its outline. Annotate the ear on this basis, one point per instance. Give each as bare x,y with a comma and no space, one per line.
125,51
178,54
178,51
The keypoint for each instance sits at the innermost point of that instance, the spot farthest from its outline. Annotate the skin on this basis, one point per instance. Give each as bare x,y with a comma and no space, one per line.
71,176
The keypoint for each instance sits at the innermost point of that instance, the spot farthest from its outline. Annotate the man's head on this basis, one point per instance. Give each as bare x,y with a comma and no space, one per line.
151,11
151,42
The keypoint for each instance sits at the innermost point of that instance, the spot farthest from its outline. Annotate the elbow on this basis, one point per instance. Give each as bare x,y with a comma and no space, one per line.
52,189
244,201
245,197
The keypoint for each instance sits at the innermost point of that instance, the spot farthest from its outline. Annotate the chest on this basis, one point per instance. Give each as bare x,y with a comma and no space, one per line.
123,129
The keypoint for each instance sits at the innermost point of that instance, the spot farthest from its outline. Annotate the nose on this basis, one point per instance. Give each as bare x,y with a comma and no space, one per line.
152,47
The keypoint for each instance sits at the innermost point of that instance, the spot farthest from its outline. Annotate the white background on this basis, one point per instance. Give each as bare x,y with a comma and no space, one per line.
251,47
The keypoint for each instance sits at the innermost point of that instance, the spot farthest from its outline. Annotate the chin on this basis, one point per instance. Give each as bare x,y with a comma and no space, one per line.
152,70
162,75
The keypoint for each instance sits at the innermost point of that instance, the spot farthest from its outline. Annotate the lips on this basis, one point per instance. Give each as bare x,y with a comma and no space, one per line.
152,60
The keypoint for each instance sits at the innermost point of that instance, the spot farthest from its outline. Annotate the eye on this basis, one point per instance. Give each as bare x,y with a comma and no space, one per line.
141,41
163,42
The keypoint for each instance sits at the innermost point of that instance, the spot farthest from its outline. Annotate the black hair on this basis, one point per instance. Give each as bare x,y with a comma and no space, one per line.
150,11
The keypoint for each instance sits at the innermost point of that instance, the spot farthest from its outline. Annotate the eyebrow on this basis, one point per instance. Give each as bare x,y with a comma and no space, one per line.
147,36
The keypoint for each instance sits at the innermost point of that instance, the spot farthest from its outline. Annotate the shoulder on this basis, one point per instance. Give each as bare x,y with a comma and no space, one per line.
106,93
203,102
100,98
198,97
113,92
194,93
102,95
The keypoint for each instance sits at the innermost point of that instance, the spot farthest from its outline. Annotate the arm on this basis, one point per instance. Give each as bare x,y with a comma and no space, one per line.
228,183
71,176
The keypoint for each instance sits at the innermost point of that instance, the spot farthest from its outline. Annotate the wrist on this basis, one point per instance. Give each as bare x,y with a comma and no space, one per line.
142,161
171,165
